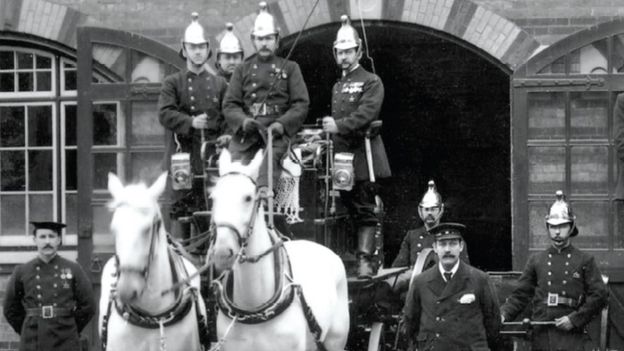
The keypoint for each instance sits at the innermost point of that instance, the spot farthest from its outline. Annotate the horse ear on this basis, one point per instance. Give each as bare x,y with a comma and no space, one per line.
225,160
114,184
254,166
159,186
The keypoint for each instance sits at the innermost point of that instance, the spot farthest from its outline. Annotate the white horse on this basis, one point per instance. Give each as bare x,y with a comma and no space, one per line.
274,295
134,313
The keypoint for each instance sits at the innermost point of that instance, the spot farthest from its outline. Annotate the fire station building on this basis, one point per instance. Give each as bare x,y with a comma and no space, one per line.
501,102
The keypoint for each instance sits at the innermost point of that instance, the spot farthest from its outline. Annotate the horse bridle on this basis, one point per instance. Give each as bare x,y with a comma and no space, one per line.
244,237
143,272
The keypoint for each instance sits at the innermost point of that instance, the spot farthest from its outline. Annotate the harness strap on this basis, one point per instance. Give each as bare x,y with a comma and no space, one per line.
313,324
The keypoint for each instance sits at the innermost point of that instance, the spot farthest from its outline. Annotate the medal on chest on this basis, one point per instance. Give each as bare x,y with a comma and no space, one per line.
66,277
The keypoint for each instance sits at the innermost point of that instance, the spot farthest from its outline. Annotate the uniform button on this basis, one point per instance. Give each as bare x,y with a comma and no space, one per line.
38,268
253,74
253,95
192,107
190,88
565,282
38,287
549,255
39,304
39,296
190,80
549,283
421,237
437,335
550,264
437,302
192,98
437,318
255,66
419,245
37,276
566,272
54,304
254,85
569,255
55,285
549,273
563,292
55,267
567,263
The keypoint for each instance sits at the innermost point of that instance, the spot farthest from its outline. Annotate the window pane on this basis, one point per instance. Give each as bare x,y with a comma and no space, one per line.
113,57
557,67
71,213
44,62
12,214
619,224
6,60
546,169
103,163
40,125
590,59
71,112
70,80
7,82
105,124
146,166
589,111
13,174
146,69
25,81
71,170
537,224
592,220
546,116
40,170
44,81
145,127
40,207
103,240
24,60
12,126
590,169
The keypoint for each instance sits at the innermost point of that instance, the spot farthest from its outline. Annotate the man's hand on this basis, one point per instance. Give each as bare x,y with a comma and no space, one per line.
200,121
250,125
564,323
277,128
502,319
223,140
329,125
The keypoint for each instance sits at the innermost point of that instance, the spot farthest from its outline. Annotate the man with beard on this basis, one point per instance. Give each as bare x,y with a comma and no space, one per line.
564,285
229,54
452,305
265,92
418,241
356,102
189,109
49,300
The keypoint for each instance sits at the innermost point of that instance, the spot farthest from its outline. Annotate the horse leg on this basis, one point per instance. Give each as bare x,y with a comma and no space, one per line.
336,338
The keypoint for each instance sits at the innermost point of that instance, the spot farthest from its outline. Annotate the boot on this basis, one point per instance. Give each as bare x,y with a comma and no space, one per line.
366,245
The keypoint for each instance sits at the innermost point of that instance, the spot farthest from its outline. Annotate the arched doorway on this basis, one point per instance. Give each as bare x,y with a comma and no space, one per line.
446,117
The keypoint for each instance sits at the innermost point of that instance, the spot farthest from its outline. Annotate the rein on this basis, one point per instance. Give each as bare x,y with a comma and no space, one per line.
144,272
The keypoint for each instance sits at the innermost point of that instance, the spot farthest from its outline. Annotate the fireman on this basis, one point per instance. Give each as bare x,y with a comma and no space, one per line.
430,210
356,101
229,54
564,285
189,108
266,91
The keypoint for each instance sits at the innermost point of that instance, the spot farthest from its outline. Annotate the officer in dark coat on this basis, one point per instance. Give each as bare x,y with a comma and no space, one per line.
230,53
451,306
49,300
564,285
356,101
265,91
189,103
419,240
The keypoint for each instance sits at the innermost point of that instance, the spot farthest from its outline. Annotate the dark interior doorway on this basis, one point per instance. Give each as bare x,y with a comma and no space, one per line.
446,117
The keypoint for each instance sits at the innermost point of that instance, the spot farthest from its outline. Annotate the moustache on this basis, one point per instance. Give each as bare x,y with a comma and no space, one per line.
448,256
48,247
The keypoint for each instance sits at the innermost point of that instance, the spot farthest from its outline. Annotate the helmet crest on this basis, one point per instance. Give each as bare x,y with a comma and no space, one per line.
346,37
561,212
229,44
265,23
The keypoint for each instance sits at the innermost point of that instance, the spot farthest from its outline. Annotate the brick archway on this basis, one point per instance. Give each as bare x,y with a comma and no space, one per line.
497,36
43,19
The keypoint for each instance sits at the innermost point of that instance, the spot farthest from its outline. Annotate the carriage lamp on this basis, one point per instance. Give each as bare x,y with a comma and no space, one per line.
343,176
181,177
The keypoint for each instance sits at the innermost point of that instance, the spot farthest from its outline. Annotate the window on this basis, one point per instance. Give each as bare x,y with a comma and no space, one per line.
37,142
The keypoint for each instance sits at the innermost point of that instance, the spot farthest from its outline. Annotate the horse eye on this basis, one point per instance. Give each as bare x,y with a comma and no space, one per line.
248,198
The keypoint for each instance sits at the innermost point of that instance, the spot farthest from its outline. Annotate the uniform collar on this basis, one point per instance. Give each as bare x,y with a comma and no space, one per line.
553,250
357,67
52,259
193,74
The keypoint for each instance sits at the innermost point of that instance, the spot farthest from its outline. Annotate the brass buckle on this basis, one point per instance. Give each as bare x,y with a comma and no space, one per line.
47,312
553,300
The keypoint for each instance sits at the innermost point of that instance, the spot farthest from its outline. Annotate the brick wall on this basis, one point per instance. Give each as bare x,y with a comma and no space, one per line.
547,20
9,340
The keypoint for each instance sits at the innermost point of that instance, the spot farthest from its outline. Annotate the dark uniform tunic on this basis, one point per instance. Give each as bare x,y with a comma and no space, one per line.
182,96
356,101
61,284
462,314
250,95
572,275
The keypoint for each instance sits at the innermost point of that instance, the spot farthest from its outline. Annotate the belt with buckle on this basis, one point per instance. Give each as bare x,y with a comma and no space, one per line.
258,109
47,312
555,300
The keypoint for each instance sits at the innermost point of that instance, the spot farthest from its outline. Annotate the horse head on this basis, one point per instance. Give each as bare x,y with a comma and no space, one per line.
235,203
137,227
